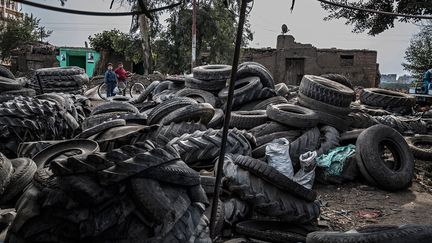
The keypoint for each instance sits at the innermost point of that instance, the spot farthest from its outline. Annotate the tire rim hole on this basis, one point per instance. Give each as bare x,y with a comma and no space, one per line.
389,155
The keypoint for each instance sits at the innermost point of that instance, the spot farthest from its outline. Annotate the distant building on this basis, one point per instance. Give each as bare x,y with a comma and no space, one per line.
9,9
389,78
406,79
291,60
82,57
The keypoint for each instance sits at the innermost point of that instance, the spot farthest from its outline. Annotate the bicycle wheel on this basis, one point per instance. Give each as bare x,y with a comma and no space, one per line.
136,89
102,91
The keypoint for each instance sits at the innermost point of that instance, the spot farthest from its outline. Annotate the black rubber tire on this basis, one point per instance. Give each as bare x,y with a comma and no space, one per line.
60,71
309,141
330,139
220,217
143,96
248,119
374,111
242,87
208,183
373,167
340,79
252,63
274,177
361,120
292,115
217,119
200,96
327,91
48,154
162,86
22,92
281,89
177,173
350,137
268,128
95,120
376,234
201,112
6,73
100,128
250,70
23,171
208,85
276,100
114,106
6,170
321,106
339,122
165,108
290,135
212,72
7,84
271,231
386,98
421,153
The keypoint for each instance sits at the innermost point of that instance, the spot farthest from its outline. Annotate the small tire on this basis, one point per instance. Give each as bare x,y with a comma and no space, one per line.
212,72
386,98
418,152
201,112
6,73
339,78
115,106
200,96
250,70
248,119
292,115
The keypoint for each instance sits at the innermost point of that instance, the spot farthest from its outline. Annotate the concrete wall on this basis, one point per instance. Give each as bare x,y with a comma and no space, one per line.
290,60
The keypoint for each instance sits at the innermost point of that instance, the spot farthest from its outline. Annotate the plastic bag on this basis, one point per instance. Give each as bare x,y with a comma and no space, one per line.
116,90
333,162
306,175
277,153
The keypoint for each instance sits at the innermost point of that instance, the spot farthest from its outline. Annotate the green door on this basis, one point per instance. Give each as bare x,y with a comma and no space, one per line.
79,61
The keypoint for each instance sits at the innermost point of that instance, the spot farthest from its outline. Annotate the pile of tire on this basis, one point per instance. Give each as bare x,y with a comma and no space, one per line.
149,195
11,86
72,80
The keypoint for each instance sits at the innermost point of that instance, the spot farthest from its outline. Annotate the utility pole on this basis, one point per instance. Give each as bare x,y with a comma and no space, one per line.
194,6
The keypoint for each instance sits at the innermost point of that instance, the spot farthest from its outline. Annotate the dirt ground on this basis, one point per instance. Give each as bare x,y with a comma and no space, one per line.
348,206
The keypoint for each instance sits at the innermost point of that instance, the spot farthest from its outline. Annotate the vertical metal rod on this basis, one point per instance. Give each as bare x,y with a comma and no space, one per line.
194,12
40,83
227,116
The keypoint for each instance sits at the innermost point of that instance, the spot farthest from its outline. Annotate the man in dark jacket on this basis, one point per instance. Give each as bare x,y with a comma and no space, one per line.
110,80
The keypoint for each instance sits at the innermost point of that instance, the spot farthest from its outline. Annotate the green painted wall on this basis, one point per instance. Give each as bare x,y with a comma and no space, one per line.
90,64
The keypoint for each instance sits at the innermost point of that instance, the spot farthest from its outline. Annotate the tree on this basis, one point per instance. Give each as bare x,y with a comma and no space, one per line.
216,31
419,53
373,23
14,32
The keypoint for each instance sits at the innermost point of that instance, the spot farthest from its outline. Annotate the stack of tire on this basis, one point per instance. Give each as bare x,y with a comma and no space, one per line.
70,80
46,117
391,101
149,195
10,86
329,99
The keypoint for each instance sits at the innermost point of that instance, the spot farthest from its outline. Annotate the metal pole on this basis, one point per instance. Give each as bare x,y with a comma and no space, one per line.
227,116
194,6
40,83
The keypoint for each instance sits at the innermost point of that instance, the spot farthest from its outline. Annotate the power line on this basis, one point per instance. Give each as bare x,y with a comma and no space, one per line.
376,11
90,13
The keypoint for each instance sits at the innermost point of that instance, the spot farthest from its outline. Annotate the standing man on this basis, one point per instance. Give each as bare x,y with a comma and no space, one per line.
110,80
427,80
121,76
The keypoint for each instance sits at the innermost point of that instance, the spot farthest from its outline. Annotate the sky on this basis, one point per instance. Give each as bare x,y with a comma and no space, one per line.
306,24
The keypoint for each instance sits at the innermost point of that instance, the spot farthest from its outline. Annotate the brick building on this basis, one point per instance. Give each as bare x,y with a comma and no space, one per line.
291,60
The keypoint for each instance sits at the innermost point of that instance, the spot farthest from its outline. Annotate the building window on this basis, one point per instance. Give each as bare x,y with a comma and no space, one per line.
347,60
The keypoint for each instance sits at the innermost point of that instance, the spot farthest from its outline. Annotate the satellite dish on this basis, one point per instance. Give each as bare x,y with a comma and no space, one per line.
284,29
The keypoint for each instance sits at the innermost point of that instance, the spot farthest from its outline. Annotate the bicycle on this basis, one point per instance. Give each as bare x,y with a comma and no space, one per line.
135,89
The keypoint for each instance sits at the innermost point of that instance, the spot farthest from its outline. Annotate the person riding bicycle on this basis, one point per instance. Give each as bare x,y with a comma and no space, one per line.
110,80
122,75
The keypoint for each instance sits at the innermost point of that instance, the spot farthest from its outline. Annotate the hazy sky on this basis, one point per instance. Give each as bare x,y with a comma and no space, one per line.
306,24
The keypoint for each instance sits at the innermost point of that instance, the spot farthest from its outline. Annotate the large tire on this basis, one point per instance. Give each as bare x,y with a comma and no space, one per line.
250,70
292,115
369,149
60,71
276,100
386,98
208,85
242,87
273,176
339,122
418,152
290,135
6,73
22,92
95,120
114,106
361,120
217,119
331,138
309,141
248,119
202,112
6,170
326,91
200,96
268,128
23,171
165,108
143,96
339,78
100,128
376,234
212,72
271,231
317,105
282,89
166,133
7,84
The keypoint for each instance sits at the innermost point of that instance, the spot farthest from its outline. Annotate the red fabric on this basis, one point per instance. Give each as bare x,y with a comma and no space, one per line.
121,73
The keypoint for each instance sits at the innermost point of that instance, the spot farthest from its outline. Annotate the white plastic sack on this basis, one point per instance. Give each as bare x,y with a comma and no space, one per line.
306,175
116,90
277,153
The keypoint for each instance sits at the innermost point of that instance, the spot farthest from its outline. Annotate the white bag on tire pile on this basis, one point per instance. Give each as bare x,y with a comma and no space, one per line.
277,154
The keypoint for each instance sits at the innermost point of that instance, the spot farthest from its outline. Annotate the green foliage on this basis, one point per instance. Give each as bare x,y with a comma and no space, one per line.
14,32
119,43
419,53
216,31
377,23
